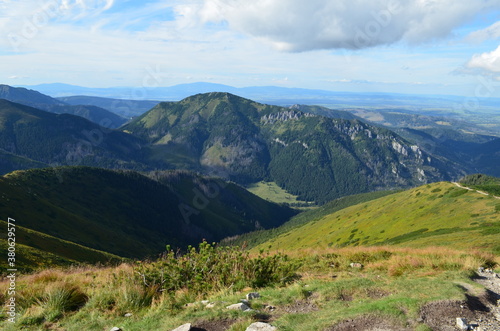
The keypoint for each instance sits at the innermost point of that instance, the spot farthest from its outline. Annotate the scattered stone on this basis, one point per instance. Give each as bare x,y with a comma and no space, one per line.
497,315
191,304
246,302
480,270
269,307
184,327
253,295
239,306
128,315
462,324
498,303
356,265
115,329
259,326
205,302
210,305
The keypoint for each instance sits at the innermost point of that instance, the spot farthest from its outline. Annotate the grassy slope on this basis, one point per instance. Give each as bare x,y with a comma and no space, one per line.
258,237
10,162
38,250
129,214
272,192
438,214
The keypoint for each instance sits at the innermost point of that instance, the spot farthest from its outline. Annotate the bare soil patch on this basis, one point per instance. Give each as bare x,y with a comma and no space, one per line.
368,323
218,325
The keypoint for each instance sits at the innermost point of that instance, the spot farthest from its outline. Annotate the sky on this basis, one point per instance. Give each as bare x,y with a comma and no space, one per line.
401,46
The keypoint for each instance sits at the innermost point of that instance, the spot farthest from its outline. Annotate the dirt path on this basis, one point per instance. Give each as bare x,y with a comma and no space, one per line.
471,189
487,309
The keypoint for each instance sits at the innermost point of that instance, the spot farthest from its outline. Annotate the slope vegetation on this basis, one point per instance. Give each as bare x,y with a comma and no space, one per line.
439,214
128,214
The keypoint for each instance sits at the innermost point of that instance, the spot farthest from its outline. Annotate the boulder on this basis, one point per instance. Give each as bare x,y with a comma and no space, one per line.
253,295
239,306
259,326
184,327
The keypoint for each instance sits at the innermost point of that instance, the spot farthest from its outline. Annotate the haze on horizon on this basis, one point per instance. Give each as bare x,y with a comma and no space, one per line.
400,46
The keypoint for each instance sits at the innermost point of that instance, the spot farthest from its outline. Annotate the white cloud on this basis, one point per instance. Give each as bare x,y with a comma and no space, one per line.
298,25
488,62
490,33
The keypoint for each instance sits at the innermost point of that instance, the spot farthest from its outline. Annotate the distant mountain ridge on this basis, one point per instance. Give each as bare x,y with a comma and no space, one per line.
269,94
38,100
123,107
46,138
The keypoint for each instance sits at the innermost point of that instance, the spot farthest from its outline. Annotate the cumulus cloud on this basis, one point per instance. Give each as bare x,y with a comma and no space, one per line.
487,62
298,25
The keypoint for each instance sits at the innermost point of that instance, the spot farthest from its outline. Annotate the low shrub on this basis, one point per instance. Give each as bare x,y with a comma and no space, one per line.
212,268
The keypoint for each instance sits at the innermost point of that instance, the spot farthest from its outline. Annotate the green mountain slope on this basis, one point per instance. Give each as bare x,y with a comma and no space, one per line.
255,238
439,214
10,162
314,157
38,250
38,100
128,214
64,139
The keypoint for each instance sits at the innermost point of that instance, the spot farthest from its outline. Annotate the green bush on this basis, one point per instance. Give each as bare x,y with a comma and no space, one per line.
212,268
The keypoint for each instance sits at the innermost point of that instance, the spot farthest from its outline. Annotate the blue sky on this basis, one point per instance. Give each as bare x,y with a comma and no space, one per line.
405,46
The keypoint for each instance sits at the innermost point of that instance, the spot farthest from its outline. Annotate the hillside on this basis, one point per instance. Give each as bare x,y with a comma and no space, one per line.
37,135
311,156
439,214
38,100
128,214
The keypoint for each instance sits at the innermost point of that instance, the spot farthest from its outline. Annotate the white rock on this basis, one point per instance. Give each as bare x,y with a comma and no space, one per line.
128,315
210,305
462,324
239,306
184,327
115,329
259,326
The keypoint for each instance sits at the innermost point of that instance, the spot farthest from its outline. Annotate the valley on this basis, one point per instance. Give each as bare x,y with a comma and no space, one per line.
340,219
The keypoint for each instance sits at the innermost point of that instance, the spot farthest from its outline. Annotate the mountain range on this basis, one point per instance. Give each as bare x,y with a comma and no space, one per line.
315,157
314,152
122,193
